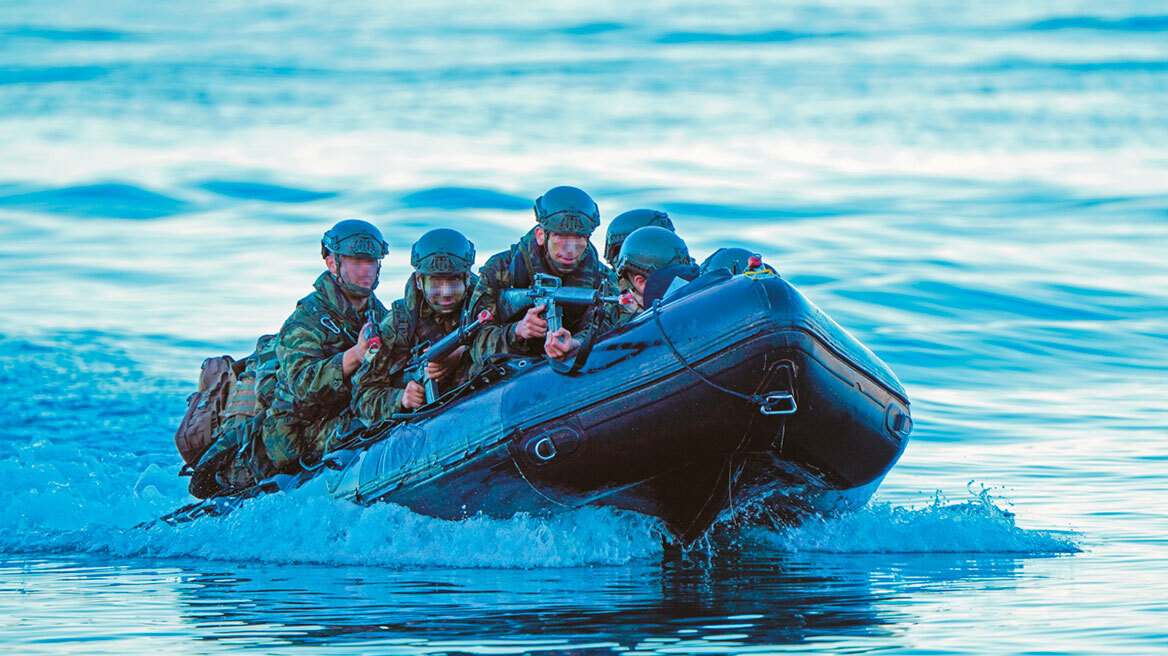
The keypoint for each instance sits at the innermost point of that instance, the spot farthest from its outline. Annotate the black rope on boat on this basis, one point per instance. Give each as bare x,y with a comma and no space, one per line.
756,399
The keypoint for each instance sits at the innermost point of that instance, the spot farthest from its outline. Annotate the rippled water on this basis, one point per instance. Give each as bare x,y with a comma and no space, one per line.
978,192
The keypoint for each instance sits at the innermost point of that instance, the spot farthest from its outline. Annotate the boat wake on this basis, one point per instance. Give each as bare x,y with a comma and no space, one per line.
92,514
979,524
58,506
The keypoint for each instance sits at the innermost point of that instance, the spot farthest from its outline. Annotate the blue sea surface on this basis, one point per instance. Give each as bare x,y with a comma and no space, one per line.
977,191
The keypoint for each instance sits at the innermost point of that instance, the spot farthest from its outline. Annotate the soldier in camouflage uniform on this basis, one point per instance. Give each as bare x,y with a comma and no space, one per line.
643,253
320,347
559,246
437,300
624,224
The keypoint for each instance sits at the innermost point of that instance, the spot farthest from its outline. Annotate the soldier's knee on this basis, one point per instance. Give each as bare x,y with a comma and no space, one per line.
279,441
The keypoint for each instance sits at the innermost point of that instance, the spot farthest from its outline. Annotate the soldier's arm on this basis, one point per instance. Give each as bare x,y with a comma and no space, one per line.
614,317
311,375
355,354
375,396
495,336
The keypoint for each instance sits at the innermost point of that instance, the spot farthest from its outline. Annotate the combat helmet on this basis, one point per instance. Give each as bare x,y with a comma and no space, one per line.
354,238
442,252
650,248
737,260
624,224
567,211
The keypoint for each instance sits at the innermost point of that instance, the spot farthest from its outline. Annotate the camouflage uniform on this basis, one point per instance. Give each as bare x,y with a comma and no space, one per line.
611,280
620,314
380,383
312,392
516,269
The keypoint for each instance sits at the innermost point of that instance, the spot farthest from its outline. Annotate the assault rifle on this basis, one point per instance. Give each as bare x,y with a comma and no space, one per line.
426,353
373,332
550,292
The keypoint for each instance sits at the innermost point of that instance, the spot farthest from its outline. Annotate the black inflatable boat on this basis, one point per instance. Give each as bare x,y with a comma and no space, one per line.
735,393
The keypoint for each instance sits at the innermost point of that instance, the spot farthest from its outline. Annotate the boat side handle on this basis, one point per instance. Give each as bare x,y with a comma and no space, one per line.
777,403
544,449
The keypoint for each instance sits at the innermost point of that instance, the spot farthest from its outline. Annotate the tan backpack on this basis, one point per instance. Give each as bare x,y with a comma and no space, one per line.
205,408
255,381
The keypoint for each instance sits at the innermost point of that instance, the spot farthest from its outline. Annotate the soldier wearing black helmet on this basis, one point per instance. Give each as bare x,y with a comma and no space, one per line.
645,251
320,347
558,245
625,223
436,302
737,261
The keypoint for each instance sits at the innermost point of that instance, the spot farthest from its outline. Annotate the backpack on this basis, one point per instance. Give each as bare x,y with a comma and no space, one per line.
255,381
196,431
223,459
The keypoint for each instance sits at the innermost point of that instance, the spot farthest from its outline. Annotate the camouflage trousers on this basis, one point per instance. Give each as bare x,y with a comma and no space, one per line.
225,465
288,440
247,450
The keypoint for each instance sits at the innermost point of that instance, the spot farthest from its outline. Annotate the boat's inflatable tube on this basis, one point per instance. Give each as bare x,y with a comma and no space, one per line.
735,391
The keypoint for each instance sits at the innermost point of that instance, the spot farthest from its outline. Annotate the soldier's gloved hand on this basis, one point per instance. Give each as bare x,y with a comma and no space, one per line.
362,335
438,371
415,396
560,345
532,325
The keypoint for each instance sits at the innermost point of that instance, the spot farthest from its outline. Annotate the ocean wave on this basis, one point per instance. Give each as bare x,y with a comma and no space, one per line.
728,211
311,528
976,525
63,501
1127,24
47,74
93,34
769,36
454,198
110,200
93,501
592,28
260,191
1085,66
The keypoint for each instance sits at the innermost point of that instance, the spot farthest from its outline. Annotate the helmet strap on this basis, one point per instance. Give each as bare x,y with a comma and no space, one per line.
638,296
541,244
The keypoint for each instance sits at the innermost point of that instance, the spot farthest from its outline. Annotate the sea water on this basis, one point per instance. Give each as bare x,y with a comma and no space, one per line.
977,191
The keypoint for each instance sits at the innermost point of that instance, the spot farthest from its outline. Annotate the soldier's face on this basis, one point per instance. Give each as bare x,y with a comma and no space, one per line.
564,251
636,285
358,271
444,292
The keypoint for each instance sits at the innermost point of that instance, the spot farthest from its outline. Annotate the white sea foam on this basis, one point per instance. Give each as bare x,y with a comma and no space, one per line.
60,501
66,499
977,525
